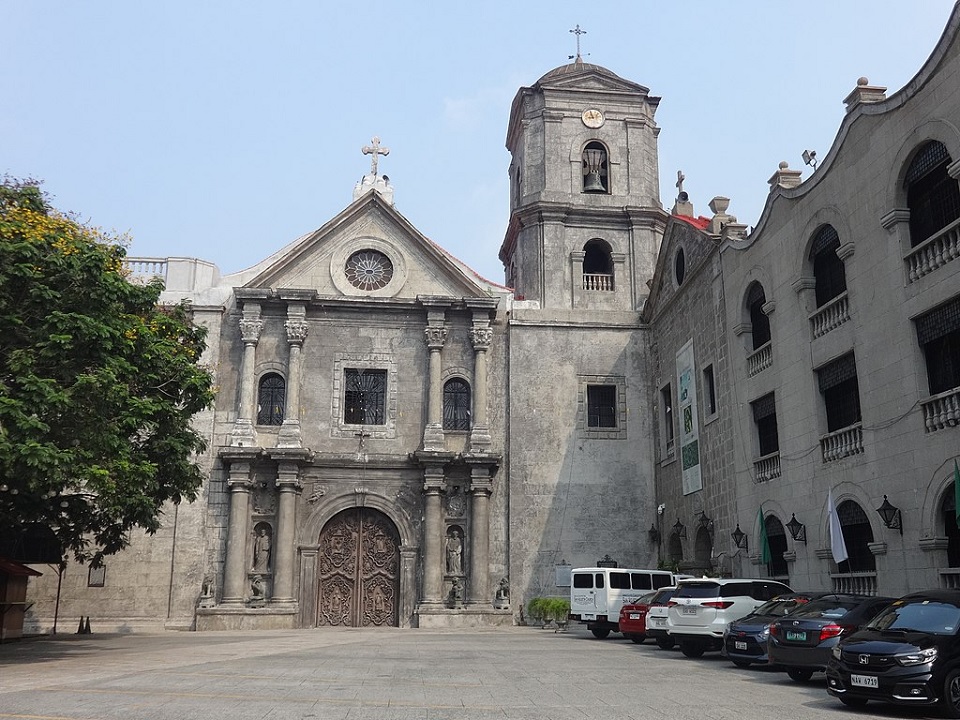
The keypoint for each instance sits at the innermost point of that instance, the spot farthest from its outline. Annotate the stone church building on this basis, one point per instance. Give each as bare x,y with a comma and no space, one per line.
398,441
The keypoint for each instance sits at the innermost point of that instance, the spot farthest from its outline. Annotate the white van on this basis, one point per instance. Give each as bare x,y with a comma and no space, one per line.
597,594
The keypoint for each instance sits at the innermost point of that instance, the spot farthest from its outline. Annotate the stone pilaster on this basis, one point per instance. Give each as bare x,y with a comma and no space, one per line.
296,327
478,592
480,336
244,434
432,534
235,588
436,335
289,486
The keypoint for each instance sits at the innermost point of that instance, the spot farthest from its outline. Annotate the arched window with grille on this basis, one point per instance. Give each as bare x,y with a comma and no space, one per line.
777,540
456,404
270,400
857,536
948,516
932,195
828,271
759,322
595,167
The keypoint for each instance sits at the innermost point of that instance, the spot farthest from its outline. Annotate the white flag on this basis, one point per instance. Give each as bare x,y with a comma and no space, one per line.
837,546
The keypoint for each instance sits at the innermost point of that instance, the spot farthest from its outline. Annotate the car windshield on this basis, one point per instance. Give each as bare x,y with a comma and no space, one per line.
926,616
642,600
778,607
698,590
827,608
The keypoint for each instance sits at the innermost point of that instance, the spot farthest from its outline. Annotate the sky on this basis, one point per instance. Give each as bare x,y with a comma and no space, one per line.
225,130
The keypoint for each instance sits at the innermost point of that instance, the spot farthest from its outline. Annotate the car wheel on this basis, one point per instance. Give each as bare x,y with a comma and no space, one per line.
638,639
741,663
951,694
853,701
800,674
600,634
692,649
665,643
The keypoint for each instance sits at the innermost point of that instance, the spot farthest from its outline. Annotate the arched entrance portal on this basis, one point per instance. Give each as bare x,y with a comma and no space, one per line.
359,563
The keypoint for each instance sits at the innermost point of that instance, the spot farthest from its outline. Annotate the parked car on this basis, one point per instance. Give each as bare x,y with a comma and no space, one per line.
633,618
908,654
656,620
701,609
745,640
803,641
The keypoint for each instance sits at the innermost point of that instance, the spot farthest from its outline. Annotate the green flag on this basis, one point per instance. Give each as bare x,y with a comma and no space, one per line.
765,556
956,491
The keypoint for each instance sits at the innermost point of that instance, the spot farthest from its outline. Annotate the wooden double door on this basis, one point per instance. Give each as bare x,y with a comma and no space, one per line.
359,564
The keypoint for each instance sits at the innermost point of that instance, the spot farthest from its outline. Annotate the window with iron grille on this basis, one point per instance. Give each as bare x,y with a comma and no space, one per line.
828,270
456,404
364,396
759,322
710,390
932,195
938,333
777,540
270,400
765,418
602,406
857,536
841,392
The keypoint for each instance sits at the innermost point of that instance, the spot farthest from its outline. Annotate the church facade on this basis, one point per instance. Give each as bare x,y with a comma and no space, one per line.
398,441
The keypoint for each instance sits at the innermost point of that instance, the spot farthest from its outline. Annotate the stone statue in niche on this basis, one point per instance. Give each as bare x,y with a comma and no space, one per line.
454,553
456,503
262,548
455,596
502,598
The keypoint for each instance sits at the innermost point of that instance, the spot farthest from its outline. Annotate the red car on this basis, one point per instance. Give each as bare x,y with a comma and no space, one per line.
633,618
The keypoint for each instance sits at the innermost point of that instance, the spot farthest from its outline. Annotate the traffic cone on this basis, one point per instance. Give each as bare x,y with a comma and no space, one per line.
80,626
86,627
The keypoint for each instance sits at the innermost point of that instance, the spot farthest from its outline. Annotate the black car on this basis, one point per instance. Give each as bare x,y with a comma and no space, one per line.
909,654
802,641
745,640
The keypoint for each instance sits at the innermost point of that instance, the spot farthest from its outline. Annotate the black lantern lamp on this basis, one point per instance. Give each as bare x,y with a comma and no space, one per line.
739,538
705,522
798,531
890,514
653,534
680,530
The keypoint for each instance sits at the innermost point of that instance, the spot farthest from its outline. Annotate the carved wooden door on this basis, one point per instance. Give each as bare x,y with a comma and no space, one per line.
359,563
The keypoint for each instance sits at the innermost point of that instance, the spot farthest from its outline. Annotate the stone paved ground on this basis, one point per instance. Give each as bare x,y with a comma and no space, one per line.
357,674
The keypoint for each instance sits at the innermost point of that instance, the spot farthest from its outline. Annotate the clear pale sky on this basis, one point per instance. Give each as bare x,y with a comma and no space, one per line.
225,130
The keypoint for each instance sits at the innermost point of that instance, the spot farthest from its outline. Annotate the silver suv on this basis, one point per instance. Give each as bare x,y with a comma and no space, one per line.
700,609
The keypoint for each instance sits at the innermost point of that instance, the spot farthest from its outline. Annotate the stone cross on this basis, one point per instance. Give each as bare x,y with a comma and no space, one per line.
578,32
375,150
680,178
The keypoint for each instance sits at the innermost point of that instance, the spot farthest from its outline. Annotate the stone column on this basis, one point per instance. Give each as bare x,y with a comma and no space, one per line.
296,326
480,336
235,588
435,334
289,486
432,533
481,488
250,326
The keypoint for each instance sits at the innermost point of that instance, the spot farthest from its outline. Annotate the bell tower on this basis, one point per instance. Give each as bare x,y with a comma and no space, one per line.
585,214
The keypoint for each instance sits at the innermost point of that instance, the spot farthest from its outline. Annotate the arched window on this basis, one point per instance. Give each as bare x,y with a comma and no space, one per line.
932,195
948,515
456,405
270,400
857,535
828,270
777,540
597,265
703,548
594,164
675,547
759,322
679,267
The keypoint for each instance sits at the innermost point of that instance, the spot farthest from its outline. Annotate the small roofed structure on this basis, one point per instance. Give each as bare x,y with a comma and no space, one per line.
13,597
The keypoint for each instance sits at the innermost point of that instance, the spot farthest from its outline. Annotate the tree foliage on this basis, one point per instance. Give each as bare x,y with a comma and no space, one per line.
98,384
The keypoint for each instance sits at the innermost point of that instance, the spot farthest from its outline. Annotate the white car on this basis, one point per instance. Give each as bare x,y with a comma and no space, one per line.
657,618
701,609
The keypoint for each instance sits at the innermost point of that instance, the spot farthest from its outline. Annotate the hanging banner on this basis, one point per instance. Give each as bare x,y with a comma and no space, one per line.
689,420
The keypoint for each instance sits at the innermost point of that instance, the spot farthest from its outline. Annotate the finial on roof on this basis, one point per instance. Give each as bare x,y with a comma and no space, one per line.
578,32
373,181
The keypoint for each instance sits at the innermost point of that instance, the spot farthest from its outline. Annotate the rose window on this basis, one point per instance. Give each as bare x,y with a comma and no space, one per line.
369,270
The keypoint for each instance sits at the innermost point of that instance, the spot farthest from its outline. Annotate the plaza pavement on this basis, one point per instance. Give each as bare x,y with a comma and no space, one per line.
365,674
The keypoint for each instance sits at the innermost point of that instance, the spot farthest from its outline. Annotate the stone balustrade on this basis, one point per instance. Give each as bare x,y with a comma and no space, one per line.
830,316
949,578
760,359
934,252
841,443
598,281
144,269
942,410
766,468
855,583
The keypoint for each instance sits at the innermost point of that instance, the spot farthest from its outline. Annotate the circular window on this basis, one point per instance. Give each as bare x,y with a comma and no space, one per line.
680,266
369,270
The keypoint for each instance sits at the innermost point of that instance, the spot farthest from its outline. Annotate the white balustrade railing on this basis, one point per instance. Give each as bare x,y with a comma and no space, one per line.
855,583
942,410
598,281
144,269
934,252
949,578
830,316
760,359
767,467
841,443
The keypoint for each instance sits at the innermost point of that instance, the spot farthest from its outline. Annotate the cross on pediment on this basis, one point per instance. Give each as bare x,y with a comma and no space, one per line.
375,150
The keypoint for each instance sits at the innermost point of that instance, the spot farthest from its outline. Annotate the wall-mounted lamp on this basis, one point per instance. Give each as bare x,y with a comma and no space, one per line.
705,522
798,531
739,538
680,530
653,534
890,514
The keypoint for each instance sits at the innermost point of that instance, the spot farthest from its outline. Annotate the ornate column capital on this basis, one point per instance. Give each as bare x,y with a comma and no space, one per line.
250,330
296,331
481,337
435,336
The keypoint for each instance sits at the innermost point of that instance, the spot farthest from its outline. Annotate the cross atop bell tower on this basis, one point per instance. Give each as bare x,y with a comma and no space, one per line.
373,181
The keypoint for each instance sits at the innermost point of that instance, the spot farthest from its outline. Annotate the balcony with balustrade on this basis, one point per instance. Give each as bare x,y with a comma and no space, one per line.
934,252
942,410
760,359
142,269
831,316
855,583
602,282
842,443
767,468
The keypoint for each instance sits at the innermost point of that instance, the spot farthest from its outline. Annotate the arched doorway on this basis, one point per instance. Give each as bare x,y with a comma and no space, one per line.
359,564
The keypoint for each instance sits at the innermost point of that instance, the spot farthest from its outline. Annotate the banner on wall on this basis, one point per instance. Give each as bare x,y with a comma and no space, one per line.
689,420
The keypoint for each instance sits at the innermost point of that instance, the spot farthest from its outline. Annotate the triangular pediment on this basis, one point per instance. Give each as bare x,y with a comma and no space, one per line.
697,247
370,235
590,79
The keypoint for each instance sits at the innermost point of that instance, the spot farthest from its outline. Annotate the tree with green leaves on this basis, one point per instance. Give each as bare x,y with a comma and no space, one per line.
98,384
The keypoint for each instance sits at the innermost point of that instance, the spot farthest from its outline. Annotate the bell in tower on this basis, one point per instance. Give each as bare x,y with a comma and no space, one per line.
594,168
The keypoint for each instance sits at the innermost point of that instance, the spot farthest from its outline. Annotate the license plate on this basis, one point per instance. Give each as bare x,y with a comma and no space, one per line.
659,622
688,611
867,681
740,645
634,616
800,635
